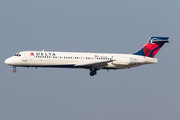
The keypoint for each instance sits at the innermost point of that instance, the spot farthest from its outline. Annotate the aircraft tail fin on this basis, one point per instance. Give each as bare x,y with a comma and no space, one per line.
151,48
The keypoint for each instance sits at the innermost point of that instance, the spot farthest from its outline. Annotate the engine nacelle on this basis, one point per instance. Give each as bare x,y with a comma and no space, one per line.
125,61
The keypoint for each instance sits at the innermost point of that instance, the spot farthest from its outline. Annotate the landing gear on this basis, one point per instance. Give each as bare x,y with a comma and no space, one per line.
93,71
14,70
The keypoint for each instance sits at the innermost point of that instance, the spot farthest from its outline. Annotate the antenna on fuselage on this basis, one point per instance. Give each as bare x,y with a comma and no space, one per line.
43,50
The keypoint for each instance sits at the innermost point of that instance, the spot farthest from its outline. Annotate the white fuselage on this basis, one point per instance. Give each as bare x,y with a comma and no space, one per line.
77,60
91,61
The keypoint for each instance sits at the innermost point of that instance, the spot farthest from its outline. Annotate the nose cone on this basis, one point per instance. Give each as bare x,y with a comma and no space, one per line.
8,61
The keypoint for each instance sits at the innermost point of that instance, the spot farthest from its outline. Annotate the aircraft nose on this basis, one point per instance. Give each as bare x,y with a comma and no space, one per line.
8,61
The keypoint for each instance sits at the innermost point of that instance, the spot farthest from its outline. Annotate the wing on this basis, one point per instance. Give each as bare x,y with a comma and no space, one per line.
97,65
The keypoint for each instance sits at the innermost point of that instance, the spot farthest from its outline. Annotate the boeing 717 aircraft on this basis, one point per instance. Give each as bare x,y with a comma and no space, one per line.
91,61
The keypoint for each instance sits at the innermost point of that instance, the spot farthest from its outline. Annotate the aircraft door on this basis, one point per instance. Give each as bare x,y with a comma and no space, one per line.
24,57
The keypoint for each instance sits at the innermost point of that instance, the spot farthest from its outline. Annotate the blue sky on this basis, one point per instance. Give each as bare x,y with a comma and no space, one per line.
146,92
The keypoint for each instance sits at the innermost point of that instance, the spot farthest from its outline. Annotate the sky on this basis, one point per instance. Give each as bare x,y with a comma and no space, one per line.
149,92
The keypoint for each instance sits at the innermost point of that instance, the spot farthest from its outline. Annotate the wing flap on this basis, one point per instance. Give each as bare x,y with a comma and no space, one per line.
97,65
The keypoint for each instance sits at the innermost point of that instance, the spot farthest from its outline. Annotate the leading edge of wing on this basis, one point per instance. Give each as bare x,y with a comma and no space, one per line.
98,65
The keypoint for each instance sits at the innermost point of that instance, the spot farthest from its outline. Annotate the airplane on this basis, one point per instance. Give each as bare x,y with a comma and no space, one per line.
91,61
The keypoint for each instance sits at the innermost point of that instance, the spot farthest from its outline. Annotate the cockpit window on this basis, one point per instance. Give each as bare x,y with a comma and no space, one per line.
17,54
